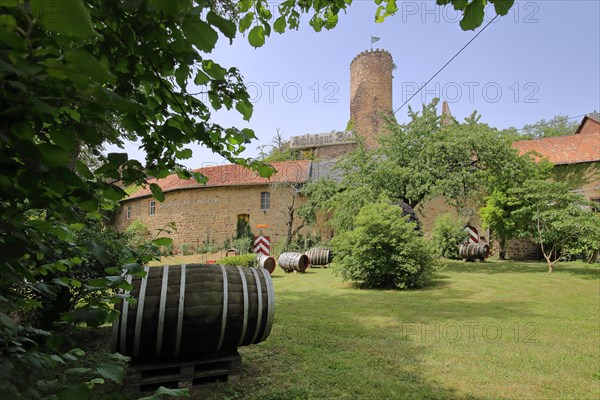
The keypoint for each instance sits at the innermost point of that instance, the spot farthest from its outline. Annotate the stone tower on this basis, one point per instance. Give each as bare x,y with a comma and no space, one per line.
370,92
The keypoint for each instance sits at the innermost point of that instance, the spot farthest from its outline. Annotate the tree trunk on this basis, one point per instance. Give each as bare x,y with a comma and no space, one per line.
290,224
502,245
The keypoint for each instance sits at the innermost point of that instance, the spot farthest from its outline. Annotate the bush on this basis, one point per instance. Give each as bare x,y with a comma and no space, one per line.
384,250
166,250
244,260
186,249
243,244
448,233
137,233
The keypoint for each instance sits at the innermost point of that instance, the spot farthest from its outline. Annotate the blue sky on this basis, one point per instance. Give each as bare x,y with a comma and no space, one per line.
541,60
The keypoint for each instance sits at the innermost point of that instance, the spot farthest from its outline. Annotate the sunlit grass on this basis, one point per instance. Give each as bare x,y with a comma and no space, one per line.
482,331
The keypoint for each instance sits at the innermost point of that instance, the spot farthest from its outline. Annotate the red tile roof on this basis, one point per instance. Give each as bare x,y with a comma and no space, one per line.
233,175
570,149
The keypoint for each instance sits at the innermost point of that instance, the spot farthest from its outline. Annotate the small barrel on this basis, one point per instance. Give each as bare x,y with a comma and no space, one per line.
293,262
266,262
189,311
232,252
473,251
319,256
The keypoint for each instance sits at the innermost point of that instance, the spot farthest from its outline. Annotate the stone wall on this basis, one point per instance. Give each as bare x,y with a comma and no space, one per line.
325,153
370,92
590,126
211,213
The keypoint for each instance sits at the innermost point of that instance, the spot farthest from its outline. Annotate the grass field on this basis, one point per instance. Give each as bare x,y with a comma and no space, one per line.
495,330
483,331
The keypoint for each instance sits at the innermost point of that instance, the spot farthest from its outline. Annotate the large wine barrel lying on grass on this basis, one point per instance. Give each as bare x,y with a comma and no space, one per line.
188,311
473,251
319,256
266,262
293,262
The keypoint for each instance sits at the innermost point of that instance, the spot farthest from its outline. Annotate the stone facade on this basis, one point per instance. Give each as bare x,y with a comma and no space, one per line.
370,92
211,214
333,152
204,214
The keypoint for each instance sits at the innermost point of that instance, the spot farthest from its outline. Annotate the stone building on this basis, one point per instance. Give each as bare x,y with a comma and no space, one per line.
211,212
234,195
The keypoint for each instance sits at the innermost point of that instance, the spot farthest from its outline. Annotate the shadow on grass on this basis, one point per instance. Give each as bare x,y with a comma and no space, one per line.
337,345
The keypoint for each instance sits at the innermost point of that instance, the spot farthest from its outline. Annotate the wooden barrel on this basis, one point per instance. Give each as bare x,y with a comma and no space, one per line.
188,311
293,262
319,256
473,251
266,262
232,252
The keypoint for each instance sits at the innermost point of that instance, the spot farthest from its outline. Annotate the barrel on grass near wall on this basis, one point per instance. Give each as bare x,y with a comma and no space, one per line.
189,311
319,256
290,262
473,251
266,262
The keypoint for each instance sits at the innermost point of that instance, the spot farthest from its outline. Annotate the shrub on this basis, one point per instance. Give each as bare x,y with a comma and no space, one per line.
384,250
448,233
166,250
243,244
137,233
244,260
186,249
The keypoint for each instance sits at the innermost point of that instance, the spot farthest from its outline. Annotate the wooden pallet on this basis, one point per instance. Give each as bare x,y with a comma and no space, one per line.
183,374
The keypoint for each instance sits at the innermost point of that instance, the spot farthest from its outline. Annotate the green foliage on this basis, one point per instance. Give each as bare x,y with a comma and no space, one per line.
416,161
559,125
317,195
350,125
587,245
137,233
576,175
384,250
556,218
448,233
205,247
302,243
474,10
425,157
283,154
243,260
186,249
77,75
243,244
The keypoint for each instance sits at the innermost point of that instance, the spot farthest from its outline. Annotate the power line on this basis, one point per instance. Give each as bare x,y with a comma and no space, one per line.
445,65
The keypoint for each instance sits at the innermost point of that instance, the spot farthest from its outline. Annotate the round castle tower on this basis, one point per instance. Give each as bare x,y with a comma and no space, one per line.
370,92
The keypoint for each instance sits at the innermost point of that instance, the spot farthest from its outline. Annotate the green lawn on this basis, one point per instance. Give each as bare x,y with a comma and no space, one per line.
483,331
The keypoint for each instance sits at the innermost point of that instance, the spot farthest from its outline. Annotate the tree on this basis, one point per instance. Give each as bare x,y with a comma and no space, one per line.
421,159
502,201
559,125
554,217
86,73
278,150
497,216
291,191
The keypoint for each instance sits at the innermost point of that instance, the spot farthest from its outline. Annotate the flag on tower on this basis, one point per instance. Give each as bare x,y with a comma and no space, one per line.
374,39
